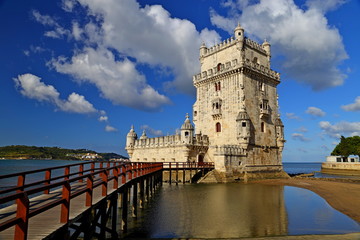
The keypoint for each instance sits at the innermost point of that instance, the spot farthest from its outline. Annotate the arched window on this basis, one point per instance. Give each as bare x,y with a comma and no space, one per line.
219,86
218,127
216,87
219,67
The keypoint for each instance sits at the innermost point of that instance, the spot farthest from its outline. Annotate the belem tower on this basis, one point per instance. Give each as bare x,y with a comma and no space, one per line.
236,117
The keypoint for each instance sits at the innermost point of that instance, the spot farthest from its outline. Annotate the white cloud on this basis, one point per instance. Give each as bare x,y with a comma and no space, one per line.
77,103
32,87
151,130
325,6
103,118
300,137
68,5
292,116
118,81
150,35
339,129
109,128
302,129
312,49
353,107
314,111
46,20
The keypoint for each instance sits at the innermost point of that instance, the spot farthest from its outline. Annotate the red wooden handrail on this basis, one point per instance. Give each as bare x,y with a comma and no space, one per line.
23,212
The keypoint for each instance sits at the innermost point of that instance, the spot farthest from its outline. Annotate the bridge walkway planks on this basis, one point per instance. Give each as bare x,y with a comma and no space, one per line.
43,224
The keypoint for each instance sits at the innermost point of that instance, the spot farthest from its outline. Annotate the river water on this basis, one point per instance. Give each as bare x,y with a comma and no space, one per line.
225,210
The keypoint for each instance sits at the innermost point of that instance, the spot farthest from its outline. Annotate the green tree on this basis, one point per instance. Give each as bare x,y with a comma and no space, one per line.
347,146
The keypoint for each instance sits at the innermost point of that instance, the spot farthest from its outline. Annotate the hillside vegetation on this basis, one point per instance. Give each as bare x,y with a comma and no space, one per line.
32,152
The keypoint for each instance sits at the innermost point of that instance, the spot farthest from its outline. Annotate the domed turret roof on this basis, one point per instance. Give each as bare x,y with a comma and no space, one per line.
243,114
278,122
238,27
187,124
143,136
132,133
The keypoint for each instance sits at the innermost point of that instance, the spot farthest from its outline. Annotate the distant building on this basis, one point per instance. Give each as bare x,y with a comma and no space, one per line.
341,165
238,126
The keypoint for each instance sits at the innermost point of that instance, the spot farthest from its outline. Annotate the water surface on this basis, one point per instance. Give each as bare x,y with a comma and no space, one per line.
237,210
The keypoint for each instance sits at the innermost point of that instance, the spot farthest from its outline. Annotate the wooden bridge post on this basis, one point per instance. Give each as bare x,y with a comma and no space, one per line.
124,211
47,179
66,173
135,199
116,177
170,172
81,170
114,216
92,167
21,182
142,200
89,192
123,174
22,212
177,173
65,205
147,191
104,178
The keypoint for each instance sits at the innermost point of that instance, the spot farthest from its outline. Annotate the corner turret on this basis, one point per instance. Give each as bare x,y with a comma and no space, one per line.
187,131
239,36
143,136
243,128
279,127
203,49
130,141
267,47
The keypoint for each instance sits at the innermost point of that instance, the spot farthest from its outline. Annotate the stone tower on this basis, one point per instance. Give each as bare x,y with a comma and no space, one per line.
236,106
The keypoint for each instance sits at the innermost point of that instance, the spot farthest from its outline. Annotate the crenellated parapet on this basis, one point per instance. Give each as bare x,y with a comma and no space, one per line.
230,150
235,65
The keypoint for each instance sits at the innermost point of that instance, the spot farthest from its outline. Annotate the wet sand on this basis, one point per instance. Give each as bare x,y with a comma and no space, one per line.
343,196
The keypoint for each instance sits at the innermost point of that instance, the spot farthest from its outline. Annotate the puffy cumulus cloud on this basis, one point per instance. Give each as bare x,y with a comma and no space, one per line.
77,103
118,81
151,131
353,107
150,35
339,129
316,112
312,49
300,137
32,87
109,128
292,116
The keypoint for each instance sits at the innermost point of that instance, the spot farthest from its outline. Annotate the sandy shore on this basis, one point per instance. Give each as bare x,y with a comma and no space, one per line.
343,196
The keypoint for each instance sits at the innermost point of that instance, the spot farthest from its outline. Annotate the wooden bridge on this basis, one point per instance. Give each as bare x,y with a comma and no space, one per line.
82,199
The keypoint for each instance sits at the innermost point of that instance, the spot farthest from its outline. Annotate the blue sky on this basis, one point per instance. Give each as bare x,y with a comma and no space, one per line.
79,73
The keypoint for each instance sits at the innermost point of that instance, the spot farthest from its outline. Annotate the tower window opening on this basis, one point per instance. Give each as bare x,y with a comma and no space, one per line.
243,124
219,86
186,134
218,127
262,127
218,67
216,87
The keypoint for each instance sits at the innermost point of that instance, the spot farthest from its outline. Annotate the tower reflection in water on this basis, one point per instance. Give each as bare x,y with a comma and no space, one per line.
214,211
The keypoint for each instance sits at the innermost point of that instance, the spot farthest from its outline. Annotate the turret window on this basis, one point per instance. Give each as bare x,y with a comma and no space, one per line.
243,124
217,86
262,127
218,127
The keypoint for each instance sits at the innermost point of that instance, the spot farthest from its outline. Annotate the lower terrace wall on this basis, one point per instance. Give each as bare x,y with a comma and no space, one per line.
349,168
